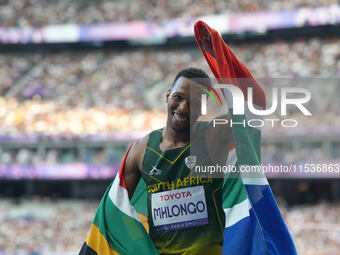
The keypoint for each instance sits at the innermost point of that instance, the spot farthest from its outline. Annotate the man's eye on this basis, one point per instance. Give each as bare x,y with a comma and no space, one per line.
177,97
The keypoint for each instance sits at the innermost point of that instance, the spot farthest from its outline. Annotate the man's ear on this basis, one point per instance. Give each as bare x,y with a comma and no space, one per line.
168,95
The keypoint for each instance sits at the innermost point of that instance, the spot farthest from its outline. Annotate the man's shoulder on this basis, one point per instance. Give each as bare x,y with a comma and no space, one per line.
140,144
136,153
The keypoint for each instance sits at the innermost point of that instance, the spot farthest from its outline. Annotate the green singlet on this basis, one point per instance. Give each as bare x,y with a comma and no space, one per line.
185,212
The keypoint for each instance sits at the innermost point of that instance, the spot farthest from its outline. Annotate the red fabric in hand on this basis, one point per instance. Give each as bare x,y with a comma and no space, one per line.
224,64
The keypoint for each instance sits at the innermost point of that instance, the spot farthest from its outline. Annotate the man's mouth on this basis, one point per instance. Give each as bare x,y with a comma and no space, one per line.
180,117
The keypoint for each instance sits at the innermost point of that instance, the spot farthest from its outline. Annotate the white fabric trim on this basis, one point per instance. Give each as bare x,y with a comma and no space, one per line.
257,179
120,198
237,213
231,158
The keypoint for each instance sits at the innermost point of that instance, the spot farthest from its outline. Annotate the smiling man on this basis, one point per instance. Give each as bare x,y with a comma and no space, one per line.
185,214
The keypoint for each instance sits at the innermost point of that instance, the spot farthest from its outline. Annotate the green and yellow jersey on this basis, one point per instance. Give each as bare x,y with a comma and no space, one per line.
185,214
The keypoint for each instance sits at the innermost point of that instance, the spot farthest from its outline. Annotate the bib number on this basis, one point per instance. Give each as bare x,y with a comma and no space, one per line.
179,209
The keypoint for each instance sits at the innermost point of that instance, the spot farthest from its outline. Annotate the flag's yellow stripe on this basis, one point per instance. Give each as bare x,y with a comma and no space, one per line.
97,242
144,220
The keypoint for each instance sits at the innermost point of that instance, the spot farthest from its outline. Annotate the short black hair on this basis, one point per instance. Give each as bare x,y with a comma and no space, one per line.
195,74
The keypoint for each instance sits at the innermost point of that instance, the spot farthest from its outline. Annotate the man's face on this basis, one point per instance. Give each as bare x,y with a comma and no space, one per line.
183,93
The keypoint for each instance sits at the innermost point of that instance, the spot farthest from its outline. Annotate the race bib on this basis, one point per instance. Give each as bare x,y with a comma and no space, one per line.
179,209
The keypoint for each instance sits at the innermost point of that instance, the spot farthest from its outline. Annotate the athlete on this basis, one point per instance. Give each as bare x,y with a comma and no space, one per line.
185,212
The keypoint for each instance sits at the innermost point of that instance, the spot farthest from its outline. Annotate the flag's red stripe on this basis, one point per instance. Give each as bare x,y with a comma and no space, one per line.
226,65
122,182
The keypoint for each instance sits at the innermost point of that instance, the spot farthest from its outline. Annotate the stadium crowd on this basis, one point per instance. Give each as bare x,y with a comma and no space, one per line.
77,93
271,153
93,156
43,226
315,229
304,151
43,12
